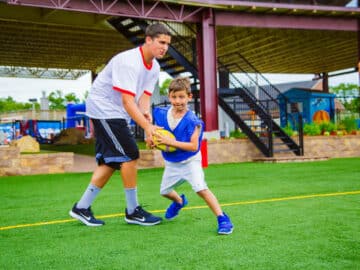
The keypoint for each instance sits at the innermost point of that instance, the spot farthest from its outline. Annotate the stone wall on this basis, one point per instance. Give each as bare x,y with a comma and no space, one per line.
14,163
219,151
242,150
150,159
232,150
9,160
332,146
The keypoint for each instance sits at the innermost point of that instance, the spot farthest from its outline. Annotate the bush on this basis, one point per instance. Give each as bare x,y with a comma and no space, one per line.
237,134
288,130
349,124
327,127
312,129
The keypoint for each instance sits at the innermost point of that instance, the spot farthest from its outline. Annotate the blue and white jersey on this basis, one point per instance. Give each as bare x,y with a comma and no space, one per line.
126,73
183,132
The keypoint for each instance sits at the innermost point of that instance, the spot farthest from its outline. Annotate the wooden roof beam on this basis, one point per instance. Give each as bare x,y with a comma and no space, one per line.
285,21
153,10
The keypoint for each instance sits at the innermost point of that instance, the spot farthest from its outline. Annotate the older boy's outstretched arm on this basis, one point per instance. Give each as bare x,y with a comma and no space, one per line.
134,111
144,106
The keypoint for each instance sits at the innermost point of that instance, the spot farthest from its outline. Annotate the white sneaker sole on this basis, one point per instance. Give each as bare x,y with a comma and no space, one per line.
83,220
225,233
131,221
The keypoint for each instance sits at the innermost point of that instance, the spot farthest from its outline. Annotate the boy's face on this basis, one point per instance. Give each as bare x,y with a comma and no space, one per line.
158,45
179,100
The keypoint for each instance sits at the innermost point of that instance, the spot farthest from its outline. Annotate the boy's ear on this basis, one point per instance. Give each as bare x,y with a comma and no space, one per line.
148,39
190,96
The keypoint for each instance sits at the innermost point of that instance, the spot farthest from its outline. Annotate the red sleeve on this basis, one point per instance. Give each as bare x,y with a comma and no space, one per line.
146,92
124,91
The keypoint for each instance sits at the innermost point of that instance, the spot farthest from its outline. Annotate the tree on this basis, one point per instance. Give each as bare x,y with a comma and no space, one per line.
349,95
9,104
71,97
164,87
85,96
58,102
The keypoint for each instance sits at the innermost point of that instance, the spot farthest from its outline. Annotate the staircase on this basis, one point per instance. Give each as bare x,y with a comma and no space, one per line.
255,113
257,105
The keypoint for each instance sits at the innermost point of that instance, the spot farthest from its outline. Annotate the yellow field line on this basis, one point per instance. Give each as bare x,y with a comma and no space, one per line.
300,197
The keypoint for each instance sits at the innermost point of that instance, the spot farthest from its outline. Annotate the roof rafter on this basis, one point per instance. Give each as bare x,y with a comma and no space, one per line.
154,10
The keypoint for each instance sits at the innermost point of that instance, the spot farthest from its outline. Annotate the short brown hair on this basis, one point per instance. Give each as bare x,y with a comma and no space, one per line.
156,29
180,84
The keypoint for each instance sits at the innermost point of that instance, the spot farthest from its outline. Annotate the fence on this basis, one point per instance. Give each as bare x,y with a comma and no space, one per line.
30,114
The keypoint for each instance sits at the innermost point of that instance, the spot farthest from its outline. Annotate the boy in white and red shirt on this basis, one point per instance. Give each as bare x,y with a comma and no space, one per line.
121,92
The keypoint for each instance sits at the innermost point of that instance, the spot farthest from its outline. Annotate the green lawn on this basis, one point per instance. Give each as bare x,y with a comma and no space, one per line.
286,216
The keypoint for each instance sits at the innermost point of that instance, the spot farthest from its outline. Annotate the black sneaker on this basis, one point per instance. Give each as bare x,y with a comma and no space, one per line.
85,216
141,217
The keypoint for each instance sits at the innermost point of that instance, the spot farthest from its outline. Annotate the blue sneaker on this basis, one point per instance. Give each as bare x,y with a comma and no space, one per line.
175,207
225,225
86,216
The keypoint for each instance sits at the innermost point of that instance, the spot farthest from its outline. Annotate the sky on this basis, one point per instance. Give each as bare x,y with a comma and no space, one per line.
22,89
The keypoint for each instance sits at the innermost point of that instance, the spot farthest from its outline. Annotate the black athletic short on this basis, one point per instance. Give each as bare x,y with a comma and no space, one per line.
114,142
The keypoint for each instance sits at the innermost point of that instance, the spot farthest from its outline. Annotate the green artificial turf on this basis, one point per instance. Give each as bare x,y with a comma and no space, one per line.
286,216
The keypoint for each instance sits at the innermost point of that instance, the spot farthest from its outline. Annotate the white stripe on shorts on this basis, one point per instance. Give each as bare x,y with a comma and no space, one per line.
112,136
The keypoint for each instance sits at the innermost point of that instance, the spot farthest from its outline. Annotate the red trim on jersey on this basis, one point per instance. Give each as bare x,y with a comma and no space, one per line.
146,92
123,91
148,67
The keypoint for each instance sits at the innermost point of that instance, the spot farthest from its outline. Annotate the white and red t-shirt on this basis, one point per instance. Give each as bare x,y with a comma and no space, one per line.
126,73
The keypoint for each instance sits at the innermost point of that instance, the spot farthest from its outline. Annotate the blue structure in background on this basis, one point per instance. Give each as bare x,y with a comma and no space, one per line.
9,131
307,102
44,131
75,113
76,118
47,130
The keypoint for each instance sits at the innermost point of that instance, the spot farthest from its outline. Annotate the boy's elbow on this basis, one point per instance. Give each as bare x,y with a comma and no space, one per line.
194,148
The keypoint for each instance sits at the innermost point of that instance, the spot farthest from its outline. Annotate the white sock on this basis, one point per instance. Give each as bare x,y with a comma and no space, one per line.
131,199
88,197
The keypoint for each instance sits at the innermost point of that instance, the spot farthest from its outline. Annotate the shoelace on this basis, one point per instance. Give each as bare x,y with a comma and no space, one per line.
88,212
143,212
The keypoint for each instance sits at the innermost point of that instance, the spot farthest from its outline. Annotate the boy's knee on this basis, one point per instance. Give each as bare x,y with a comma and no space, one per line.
202,192
163,193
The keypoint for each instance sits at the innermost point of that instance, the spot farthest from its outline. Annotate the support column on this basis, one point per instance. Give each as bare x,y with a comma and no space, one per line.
206,51
224,80
358,45
93,76
325,82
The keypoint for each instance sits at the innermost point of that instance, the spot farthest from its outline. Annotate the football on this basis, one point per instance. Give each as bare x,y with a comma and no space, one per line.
160,146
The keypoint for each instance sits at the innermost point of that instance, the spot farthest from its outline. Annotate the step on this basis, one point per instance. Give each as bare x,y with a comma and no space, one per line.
281,144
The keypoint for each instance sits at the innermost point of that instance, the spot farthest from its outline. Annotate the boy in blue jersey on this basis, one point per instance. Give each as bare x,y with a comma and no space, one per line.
185,163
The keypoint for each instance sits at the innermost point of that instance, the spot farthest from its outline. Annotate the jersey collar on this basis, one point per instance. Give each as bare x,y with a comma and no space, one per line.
148,67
